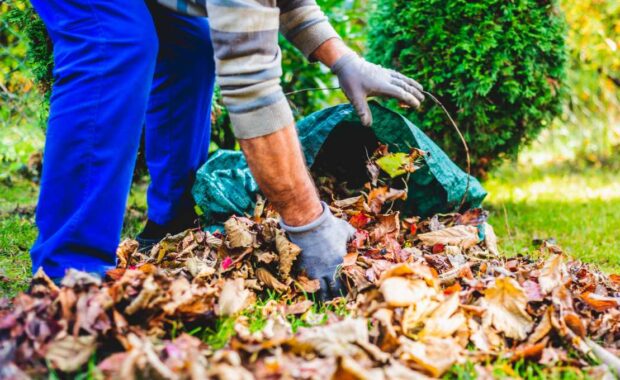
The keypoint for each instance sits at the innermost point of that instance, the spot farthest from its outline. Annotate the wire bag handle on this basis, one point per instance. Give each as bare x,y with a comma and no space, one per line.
445,111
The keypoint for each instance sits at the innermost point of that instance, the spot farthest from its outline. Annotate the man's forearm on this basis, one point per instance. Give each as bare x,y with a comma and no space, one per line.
277,163
331,51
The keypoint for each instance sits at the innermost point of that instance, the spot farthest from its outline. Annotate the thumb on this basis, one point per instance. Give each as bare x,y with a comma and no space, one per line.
363,110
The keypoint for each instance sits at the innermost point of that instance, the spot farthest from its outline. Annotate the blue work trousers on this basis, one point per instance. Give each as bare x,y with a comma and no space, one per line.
120,67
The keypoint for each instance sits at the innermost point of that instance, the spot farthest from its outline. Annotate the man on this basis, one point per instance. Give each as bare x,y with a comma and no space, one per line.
110,78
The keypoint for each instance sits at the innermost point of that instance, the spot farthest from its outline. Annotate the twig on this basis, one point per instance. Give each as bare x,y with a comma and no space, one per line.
507,223
456,128
465,146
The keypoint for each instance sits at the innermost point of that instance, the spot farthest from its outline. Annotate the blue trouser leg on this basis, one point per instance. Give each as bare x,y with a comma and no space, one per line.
104,53
177,137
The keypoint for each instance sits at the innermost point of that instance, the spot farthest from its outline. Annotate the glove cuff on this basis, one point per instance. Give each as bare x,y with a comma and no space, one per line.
343,61
324,218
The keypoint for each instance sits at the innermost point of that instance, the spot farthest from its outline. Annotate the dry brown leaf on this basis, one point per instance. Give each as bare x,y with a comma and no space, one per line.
298,307
150,291
444,321
349,369
270,280
397,371
307,285
434,356
462,236
199,268
400,291
505,302
379,196
490,239
356,203
233,297
543,328
552,274
336,339
265,257
529,351
386,226
69,353
287,252
600,303
389,336
238,234
124,252
574,323
477,336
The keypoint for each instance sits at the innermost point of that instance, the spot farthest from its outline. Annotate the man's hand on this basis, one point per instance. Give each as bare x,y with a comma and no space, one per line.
360,79
324,245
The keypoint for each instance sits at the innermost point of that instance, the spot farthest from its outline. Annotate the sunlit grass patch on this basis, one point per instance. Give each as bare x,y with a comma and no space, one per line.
579,209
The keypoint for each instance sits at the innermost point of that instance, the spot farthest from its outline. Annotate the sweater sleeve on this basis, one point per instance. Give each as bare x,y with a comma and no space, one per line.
248,65
304,24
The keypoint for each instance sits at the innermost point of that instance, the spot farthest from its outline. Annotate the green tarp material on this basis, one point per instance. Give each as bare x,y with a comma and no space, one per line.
224,185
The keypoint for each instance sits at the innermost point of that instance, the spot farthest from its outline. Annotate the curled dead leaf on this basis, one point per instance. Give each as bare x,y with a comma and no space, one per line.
336,339
270,280
69,353
400,291
287,253
238,234
124,252
233,297
490,239
307,285
598,302
462,236
434,355
552,274
505,302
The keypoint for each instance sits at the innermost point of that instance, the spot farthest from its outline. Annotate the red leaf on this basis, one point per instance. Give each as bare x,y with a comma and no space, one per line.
359,220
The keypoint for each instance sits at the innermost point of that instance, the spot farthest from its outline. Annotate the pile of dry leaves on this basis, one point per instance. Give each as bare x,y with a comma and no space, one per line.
425,295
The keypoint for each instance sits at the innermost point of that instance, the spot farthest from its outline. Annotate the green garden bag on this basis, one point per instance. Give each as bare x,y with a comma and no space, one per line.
334,140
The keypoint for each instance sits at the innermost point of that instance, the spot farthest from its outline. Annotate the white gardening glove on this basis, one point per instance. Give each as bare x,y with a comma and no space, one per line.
323,245
360,79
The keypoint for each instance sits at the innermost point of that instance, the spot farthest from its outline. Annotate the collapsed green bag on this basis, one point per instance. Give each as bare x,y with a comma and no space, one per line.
334,139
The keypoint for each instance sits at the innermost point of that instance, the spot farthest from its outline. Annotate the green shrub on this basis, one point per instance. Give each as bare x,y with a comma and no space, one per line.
498,66
39,53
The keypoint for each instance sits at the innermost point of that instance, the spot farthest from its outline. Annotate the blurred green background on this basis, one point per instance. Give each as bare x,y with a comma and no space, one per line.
564,185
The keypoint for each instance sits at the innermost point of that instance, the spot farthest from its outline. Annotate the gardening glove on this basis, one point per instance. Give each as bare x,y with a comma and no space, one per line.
360,79
324,245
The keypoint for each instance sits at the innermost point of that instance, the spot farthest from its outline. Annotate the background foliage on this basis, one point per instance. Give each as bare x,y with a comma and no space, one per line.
589,130
592,80
498,66
22,108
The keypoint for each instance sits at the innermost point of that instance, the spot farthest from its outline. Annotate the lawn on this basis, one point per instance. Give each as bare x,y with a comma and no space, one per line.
576,208
18,197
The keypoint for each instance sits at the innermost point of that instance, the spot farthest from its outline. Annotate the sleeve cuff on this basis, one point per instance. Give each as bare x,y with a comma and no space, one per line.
309,39
262,121
322,219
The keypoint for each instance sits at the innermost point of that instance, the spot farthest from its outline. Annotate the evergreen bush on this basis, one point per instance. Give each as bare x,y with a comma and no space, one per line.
498,66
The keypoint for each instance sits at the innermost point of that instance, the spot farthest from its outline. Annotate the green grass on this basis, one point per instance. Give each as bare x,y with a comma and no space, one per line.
503,369
578,208
18,197
17,232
